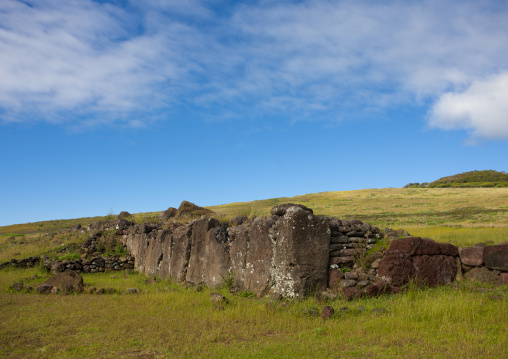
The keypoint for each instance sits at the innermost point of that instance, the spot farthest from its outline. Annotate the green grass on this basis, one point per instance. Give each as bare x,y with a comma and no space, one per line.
182,323
168,320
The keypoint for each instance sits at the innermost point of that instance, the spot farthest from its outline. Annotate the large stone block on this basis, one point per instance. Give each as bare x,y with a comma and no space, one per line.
301,253
196,270
159,254
181,253
471,256
496,257
258,262
397,270
435,270
239,244
422,246
218,263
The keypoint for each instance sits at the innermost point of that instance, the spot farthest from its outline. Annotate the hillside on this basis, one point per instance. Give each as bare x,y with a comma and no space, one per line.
487,178
390,207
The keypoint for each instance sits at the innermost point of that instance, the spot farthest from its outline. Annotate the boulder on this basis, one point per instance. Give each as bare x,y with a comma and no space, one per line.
301,253
496,257
68,278
422,246
484,275
44,289
334,278
396,270
188,209
124,214
471,256
167,214
281,209
435,270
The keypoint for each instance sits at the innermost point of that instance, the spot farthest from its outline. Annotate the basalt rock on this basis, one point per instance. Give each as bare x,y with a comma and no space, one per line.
281,209
496,257
258,261
471,256
188,209
60,280
301,253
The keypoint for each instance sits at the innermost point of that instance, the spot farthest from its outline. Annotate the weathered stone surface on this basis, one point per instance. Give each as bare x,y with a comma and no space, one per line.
422,246
217,261
259,258
238,246
60,280
124,214
334,278
482,274
281,209
238,220
351,293
327,312
181,253
398,270
471,256
301,253
188,209
44,289
159,255
197,260
167,214
496,257
435,270
504,276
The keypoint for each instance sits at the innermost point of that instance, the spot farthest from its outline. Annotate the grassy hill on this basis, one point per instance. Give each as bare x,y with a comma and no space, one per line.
487,178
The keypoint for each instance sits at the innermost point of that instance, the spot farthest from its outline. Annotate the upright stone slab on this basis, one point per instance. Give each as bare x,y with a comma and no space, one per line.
496,257
196,270
301,253
239,244
181,252
158,255
258,262
218,263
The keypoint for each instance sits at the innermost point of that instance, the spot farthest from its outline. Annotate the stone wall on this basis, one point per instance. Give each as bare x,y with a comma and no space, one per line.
292,253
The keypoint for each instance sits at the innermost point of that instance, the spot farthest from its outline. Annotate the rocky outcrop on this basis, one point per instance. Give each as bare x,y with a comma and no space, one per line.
419,259
188,209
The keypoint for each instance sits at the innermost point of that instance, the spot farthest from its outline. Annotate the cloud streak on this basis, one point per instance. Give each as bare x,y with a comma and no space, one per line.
328,60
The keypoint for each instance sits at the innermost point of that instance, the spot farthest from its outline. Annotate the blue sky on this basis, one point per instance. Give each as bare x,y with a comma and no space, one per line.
138,105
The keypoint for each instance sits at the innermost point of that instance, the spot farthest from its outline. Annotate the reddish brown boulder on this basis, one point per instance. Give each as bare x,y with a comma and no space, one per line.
505,277
328,312
496,257
435,270
423,246
397,270
471,256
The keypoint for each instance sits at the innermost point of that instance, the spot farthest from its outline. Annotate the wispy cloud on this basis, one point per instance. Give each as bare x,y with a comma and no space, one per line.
307,59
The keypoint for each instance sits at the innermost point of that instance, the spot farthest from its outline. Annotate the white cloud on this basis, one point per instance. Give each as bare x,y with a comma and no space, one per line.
315,59
482,109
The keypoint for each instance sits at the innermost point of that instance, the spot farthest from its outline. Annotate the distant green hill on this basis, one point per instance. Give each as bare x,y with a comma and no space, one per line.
487,178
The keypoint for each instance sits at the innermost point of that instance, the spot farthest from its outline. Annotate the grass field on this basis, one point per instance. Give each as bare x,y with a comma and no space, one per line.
168,320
